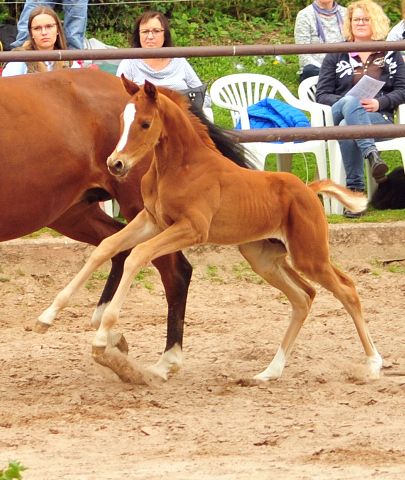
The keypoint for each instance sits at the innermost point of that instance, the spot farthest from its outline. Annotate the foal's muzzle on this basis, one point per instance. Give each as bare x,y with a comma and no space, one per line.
117,167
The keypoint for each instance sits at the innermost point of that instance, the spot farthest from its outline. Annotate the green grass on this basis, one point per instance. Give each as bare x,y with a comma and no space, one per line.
12,472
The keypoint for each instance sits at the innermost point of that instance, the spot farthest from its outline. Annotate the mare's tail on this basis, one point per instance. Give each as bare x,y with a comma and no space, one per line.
353,201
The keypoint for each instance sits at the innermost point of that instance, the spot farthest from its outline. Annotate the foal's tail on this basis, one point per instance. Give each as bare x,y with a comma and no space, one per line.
353,201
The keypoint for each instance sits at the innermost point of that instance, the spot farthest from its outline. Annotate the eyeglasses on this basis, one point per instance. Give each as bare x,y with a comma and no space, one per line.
155,32
364,20
48,28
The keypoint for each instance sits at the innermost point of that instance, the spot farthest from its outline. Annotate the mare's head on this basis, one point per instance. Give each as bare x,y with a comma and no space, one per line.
141,127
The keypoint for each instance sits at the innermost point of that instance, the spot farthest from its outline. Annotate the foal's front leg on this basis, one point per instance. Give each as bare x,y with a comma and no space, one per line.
139,230
176,237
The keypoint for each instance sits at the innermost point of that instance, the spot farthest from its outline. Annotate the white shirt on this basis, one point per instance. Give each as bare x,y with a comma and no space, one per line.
20,68
177,75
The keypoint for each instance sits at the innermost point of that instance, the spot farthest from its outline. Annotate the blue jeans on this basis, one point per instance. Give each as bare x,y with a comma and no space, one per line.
74,24
349,111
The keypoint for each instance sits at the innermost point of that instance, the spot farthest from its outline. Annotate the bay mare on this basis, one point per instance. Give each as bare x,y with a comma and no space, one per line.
194,195
58,129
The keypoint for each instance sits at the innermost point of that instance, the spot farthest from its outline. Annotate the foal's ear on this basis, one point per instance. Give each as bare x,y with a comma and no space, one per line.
150,90
129,86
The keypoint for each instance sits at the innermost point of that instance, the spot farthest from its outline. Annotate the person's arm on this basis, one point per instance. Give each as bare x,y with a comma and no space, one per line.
304,34
390,100
396,32
325,89
14,68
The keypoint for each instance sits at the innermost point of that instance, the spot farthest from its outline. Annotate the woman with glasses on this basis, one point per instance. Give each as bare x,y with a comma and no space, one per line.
365,21
45,33
152,30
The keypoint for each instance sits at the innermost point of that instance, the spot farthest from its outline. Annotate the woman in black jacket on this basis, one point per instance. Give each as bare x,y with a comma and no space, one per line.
365,21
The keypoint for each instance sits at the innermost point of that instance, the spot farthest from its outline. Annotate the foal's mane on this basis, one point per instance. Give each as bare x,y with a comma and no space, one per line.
181,100
213,136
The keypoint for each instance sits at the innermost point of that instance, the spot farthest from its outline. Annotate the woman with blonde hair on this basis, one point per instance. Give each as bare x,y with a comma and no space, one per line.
46,33
365,21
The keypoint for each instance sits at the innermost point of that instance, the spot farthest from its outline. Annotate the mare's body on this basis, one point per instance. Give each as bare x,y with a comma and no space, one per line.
193,195
58,129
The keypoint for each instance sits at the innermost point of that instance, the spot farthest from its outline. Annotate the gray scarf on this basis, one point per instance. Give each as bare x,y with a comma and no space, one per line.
328,12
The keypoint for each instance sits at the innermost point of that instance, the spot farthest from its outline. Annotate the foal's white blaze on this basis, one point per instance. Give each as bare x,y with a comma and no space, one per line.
275,369
170,362
129,116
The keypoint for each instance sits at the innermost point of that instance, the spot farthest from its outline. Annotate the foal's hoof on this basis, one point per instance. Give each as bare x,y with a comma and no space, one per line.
97,351
122,345
41,327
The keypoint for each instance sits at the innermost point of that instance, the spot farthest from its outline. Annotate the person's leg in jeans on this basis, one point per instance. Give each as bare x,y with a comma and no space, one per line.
75,22
349,111
22,24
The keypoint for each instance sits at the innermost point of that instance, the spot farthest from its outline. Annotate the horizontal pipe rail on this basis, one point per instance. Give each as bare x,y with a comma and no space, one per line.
188,52
244,136
318,133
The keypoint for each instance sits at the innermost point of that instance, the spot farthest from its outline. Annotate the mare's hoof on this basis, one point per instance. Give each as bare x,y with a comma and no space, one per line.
97,351
41,327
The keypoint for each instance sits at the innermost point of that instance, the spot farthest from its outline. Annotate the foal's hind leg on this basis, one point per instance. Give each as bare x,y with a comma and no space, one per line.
268,259
343,288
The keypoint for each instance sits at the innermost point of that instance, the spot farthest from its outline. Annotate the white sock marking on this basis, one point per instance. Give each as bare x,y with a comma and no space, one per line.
170,362
275,369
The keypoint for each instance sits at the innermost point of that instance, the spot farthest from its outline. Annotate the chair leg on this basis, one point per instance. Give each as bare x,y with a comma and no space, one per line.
337,173
284,162
371,183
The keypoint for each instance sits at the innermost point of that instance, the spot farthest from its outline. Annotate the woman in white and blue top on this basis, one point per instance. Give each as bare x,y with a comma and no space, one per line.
46,33
152,30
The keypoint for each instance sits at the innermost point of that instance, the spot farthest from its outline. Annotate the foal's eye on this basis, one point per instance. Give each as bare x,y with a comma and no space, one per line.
145,125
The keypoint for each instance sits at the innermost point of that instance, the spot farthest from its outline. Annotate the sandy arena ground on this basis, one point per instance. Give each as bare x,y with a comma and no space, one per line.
65,417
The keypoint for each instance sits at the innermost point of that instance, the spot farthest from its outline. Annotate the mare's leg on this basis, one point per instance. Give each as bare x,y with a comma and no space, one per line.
175,271
139,230
268,259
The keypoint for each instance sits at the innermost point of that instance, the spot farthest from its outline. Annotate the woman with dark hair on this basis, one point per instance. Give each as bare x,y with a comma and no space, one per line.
46,33
152,30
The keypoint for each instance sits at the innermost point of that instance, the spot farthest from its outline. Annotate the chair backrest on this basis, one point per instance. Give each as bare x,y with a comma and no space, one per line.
239,91
307,89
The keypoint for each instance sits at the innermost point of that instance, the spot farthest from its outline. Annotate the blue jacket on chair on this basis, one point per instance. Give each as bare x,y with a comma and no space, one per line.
272,113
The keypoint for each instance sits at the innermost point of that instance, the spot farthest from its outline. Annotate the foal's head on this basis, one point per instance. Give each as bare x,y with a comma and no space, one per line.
141,126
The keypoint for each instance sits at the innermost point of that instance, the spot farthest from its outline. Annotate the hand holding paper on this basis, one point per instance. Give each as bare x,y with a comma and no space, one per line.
366,88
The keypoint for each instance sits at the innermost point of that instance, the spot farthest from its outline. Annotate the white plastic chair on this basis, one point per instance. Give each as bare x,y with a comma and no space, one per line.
306,93
239,91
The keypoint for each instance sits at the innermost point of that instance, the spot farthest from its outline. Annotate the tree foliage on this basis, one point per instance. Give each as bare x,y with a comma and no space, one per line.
118,16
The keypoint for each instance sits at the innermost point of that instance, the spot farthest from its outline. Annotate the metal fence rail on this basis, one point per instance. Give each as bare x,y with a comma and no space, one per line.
244,136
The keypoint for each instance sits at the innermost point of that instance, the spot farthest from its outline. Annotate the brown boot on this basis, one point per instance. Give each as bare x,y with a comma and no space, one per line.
378,167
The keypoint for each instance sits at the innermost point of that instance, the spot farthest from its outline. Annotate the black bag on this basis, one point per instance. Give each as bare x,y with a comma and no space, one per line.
8,33
196,95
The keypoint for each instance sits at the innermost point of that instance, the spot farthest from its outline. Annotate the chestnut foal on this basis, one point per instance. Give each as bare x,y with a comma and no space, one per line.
194,195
